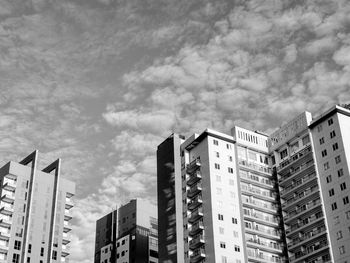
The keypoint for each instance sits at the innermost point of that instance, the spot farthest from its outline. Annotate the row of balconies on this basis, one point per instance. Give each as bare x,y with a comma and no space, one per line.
285,163
301,209
301,196
271,207
198,255
307,236
296,171
271,245
264,218
303,223
264,194
309,251
267,231
255,179
257,256
255,167
296,183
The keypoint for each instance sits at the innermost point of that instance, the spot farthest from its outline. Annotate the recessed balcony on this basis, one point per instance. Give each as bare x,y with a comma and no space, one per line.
196,242
6,209
8,197
294,159
195,215
5,221
195,202
196,228
9,185
194,190
197,255
194,177
193,166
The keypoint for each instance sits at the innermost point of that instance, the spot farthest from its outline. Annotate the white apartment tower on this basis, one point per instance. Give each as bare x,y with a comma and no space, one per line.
251,197
34,212
261,208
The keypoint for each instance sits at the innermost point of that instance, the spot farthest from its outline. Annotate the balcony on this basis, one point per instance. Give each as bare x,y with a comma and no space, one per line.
310,251
197,255
5,234
255,167
309,236
258,257
194,178
195,202
258,181
267,219
8,197
300,226
5,221
6,209
9,185
307,208
193,166
304,196
261,206
267,232
195,215
196,228
270,247
294,158
65,238
194,190
296,172
197,242
269,196
295,184
66,227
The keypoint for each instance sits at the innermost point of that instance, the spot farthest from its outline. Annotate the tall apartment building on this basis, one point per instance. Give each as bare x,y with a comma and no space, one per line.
263,229
128,234
286,194
312,164
34,212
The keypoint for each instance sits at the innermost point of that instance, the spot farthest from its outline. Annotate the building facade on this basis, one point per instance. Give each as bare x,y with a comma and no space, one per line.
128,234
287,194
35,210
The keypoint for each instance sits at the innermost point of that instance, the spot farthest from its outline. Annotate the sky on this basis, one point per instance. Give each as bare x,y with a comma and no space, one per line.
101,83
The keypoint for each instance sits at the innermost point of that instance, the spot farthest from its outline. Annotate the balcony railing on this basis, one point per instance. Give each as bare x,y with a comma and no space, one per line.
269,206
309,250
255,167
276,246
195,202
299,169
193,166
197,255
9,185
194,190
196,228
197,241
194,177
256,179
303,208
310,220
307,236
270,195
265,258
295,184
295,157
266,218
300,196
195,215
271,232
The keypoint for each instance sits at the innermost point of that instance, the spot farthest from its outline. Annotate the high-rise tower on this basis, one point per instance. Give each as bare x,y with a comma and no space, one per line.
34,212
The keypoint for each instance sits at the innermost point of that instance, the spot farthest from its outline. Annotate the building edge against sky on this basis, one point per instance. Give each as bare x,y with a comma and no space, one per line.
34,212
310,213
128,234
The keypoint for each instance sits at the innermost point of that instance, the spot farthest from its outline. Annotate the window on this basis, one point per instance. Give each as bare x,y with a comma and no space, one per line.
215,142
284,153
231,182
237,248
230,170
335,146
220,217
54,254
322,141
17,245
330,122
223,259
29,248
346,200
230,158
42,252
123,241
218,178
15,258
334,206
217,154
324,153
337,159
217,166
340,172
326,166
28,259
329,179
235,233
347,213
218,191
123,253
221,230
343,186
331,192
234,220
319,128
332,134
222,244
228,146
306,140
342,250
336,220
